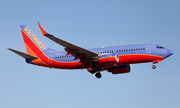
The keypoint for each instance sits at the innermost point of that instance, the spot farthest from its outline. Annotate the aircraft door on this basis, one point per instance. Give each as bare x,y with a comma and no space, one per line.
163,52
148,49
49,59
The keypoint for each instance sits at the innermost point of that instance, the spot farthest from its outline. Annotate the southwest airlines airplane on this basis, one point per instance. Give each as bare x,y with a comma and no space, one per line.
116,59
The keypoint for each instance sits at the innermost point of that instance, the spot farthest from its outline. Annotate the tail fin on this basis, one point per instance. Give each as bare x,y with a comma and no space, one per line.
34,45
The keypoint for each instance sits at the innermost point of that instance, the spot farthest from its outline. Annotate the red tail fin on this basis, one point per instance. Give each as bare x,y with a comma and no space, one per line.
34,45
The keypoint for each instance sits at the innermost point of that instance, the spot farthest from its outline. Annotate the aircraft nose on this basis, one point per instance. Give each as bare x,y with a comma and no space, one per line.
169,53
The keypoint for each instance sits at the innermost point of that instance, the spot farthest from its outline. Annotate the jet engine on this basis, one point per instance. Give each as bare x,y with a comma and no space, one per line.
108,58
119,69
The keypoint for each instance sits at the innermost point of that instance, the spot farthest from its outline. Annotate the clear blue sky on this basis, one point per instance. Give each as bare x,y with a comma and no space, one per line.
90,24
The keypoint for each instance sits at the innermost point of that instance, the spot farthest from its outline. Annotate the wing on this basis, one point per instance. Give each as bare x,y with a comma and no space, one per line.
78,52
24,55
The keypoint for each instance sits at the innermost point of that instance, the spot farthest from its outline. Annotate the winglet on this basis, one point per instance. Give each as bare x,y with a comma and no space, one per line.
43,31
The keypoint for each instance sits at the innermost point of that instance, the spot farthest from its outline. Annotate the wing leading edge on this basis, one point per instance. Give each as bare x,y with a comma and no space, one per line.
75,50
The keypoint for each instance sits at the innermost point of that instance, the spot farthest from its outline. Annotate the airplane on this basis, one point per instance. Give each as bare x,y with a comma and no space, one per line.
116,60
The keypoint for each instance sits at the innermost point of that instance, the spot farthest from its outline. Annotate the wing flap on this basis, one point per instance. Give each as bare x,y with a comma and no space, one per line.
24,55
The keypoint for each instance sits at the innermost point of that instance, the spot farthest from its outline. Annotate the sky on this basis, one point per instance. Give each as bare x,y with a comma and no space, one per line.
90,24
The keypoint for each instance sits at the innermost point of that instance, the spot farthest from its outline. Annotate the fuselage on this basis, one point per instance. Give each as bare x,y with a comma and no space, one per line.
128,54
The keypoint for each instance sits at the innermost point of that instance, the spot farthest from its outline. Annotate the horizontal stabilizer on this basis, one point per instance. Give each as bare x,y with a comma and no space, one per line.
24,55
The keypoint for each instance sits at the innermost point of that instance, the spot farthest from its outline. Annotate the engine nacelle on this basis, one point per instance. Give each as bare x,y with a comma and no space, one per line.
108,58
119,69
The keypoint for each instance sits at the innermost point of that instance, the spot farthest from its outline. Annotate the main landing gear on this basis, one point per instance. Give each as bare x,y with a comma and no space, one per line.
90,69
98,75
93,68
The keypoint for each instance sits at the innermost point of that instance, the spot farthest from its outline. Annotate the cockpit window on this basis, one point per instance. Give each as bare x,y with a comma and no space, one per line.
160,47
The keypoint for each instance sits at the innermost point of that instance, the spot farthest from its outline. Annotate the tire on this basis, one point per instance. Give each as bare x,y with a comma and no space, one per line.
153,66
98,75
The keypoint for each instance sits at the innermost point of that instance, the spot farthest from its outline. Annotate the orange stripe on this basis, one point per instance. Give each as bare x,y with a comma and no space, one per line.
29,51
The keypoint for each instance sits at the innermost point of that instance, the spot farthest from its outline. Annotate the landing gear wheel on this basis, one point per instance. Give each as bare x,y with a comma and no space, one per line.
98,75
153,66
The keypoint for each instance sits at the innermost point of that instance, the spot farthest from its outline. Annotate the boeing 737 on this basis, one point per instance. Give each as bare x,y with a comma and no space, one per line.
116,59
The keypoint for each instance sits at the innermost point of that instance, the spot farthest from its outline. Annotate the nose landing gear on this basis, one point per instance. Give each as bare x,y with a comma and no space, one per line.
156,61
153,66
